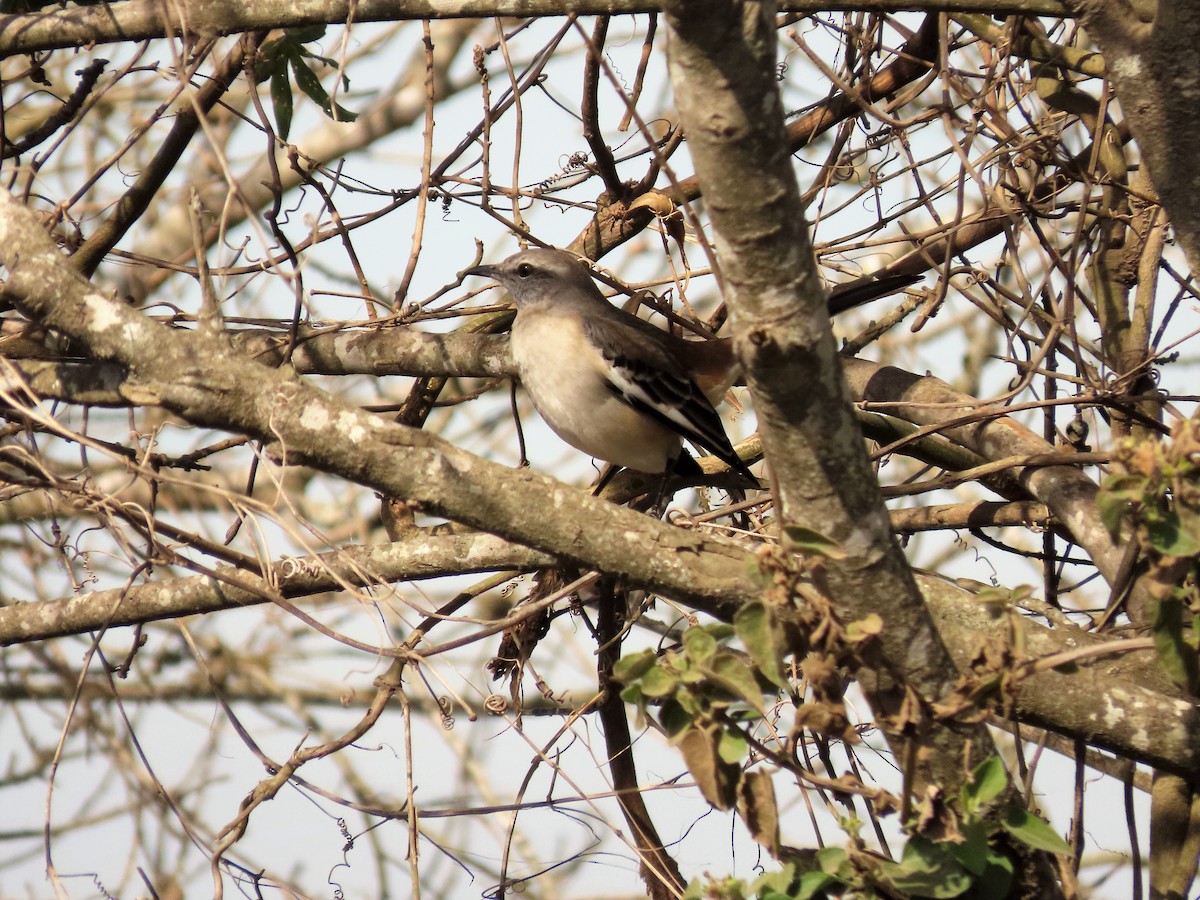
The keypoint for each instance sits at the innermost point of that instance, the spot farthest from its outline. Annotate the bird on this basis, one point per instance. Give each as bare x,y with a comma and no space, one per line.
612,385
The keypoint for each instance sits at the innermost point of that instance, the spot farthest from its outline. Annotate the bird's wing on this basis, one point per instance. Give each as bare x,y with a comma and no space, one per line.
646,375
848,296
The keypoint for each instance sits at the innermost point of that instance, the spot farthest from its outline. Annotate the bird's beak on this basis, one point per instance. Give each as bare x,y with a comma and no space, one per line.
484,272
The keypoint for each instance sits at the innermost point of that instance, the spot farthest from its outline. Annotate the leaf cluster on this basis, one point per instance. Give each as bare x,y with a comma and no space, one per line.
1156,496
285,58
964,855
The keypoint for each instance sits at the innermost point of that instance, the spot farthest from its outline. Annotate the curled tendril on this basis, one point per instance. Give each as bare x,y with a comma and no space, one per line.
447,715
573,164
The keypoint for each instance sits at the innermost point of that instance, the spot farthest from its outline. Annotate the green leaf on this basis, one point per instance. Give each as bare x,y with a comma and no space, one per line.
834,861
674,719
306,34
992,872
996,879
659,682
1033,831
1176,656
343,114
308,82
1116,497
699,644
1189,516
690,703
281,101
988,782
732,746
1166,534
272,57
1128,486
777,882
973,853
728,671
1112,510
812,543
332,63
756,573
812,884
633,695
763,639
720,631
927,869
631,668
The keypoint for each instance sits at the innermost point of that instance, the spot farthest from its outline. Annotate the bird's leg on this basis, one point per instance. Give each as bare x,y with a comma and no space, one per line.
662,497
512,399
684,467
606,475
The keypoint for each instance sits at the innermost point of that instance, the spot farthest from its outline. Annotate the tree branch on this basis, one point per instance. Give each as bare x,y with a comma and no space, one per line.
721,57
135,20
412,558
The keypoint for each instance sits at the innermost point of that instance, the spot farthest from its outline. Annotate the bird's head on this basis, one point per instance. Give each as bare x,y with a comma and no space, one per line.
538,276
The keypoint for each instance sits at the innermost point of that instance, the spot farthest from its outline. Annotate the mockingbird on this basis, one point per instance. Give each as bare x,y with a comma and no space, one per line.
613,385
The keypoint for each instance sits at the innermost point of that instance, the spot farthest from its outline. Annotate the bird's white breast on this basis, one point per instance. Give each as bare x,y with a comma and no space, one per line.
565,376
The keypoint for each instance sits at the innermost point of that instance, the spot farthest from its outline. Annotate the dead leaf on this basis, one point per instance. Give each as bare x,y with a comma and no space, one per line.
758,809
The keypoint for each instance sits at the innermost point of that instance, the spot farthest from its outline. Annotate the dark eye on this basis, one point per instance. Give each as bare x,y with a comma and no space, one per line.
524,270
